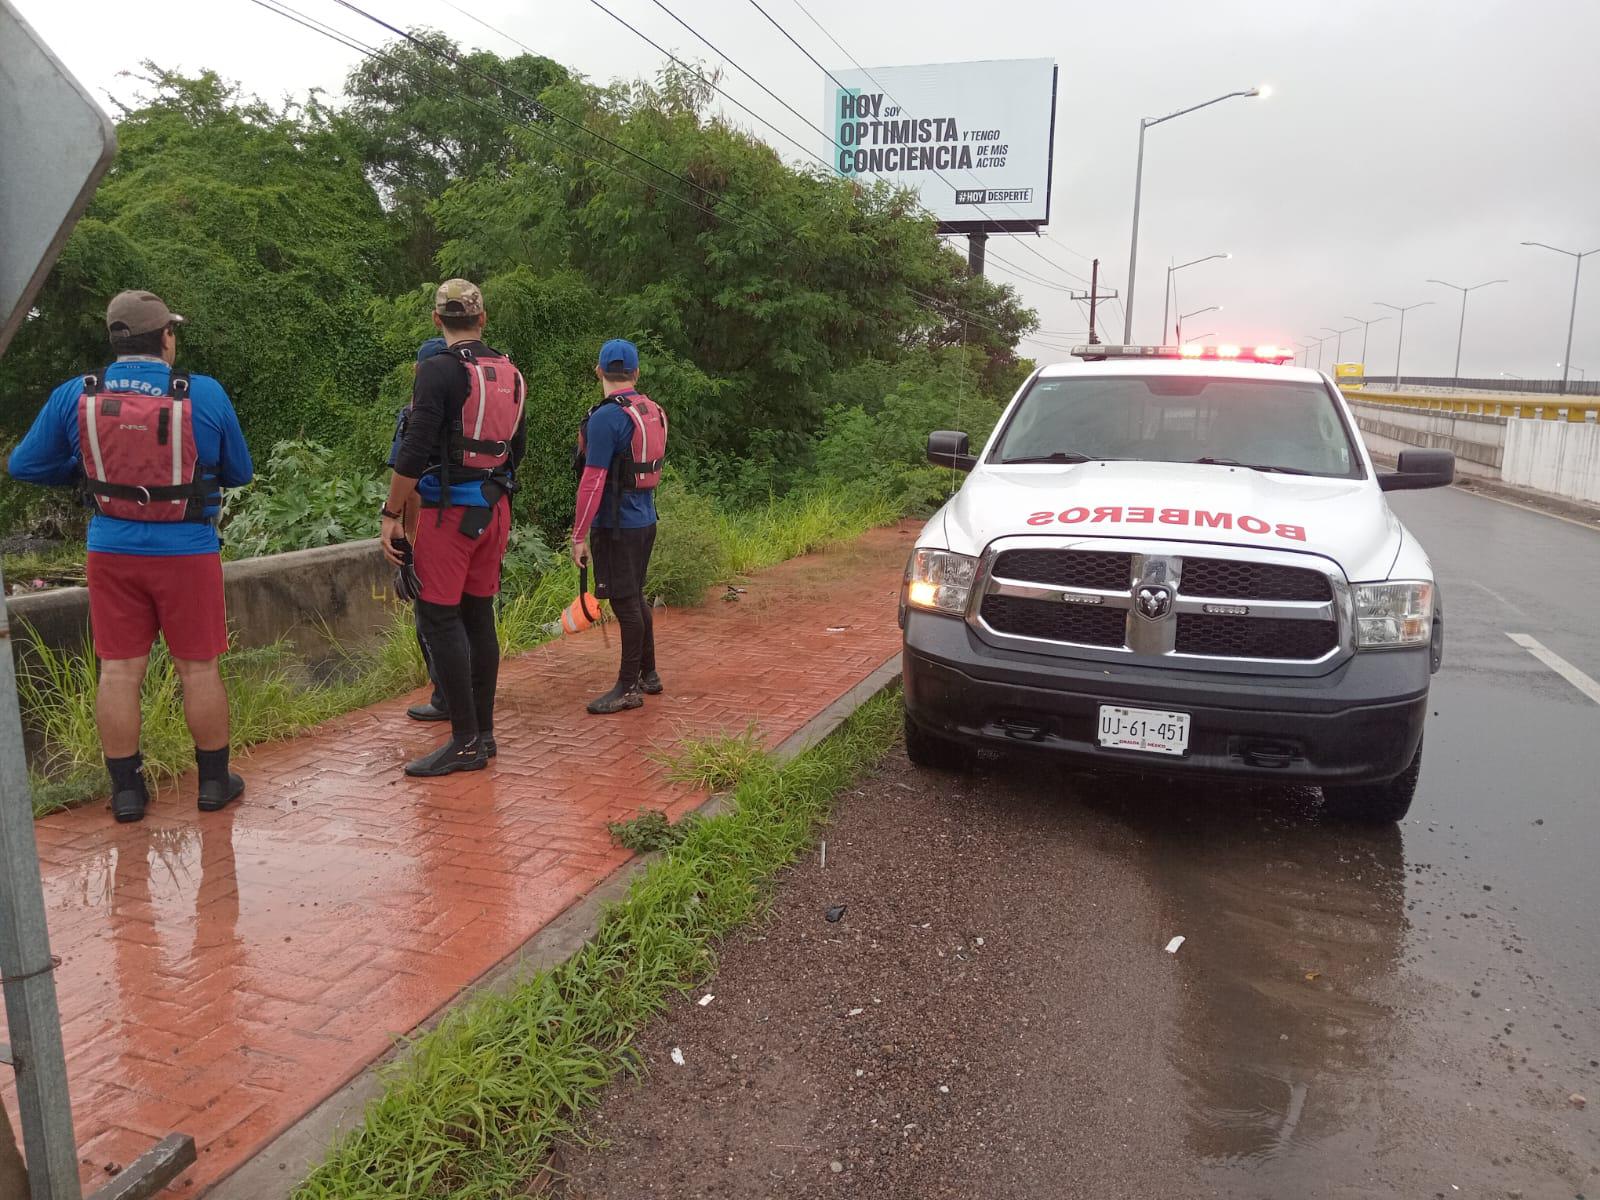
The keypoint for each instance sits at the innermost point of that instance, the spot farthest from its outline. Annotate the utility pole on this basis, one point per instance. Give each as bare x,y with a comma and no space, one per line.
977,243
1094,296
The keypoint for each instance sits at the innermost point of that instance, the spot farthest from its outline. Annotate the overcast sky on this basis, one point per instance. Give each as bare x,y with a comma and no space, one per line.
1404,139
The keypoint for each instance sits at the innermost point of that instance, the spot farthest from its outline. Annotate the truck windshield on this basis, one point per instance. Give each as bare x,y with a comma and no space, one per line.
1264,424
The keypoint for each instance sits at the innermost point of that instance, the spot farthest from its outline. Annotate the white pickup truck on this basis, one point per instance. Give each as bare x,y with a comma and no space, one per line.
1178,561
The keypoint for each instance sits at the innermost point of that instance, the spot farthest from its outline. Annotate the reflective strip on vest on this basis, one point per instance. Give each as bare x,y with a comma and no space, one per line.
176,433
483,402
94,438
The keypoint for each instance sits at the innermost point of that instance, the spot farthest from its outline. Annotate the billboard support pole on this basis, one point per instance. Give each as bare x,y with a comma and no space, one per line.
977,242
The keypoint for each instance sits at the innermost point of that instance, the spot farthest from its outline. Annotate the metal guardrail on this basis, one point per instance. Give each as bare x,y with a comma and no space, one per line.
1551,408
1576,388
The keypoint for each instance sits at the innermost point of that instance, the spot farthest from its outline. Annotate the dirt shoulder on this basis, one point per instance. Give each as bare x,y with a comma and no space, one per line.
980,1021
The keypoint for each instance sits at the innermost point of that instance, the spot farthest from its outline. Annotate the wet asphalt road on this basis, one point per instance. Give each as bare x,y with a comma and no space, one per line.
1399,1012
1408,1012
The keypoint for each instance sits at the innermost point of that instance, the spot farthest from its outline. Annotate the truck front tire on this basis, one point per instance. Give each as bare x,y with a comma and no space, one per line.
1375,803
930,750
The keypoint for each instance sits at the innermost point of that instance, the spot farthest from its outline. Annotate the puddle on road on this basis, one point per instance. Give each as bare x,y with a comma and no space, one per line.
1318,1057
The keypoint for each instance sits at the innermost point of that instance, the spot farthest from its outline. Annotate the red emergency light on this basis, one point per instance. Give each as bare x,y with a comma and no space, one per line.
1224,353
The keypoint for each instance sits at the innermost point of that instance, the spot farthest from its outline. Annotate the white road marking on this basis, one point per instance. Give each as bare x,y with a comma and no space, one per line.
1497,596
1559,665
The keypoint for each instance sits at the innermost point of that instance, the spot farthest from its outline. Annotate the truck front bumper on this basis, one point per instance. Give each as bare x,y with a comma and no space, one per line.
1360,723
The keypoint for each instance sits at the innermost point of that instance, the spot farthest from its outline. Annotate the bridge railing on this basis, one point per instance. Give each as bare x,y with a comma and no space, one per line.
1534,407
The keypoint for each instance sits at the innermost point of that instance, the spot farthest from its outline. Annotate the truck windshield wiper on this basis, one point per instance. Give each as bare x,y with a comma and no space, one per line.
1060,456
1234,462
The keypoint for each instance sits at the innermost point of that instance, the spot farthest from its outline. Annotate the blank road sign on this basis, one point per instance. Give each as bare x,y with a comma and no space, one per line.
55,144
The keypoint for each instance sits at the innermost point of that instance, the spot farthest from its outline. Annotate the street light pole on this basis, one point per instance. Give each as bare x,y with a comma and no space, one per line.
1401,341
1365,323
1166,299
1573,316
1461,328
1338,345
1185,316
1138,188
1318,341
1582,374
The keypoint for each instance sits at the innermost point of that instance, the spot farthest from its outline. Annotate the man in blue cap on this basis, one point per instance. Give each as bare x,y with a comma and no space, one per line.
621,445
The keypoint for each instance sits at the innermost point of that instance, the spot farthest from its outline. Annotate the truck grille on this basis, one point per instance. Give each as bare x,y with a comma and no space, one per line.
1068,568
1254,637
1226,578
1157,606
1081,624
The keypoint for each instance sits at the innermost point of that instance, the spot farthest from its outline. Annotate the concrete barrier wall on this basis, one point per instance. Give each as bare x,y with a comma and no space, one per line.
1556,457
1477,442
307,596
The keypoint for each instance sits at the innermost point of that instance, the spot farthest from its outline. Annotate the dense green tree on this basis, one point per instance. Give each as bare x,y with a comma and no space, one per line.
421,122
259,226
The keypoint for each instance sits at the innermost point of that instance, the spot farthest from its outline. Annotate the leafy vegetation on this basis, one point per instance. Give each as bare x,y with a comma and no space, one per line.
473,1107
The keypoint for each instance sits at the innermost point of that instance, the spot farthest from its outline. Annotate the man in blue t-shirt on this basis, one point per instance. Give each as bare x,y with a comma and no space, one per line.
624,523
147,575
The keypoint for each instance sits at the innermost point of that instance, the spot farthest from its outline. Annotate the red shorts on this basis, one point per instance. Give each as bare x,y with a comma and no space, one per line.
132,597
450,564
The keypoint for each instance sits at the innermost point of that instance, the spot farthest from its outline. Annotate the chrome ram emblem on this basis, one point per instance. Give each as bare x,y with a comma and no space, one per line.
1153,601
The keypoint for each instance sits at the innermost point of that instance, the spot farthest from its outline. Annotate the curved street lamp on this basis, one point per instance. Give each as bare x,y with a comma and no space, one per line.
1182,317
1166,299
1401,341
1461,328
1572,318
1338,345
1138,185
1365,323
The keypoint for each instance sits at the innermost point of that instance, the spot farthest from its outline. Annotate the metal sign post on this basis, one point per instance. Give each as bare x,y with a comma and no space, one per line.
55,144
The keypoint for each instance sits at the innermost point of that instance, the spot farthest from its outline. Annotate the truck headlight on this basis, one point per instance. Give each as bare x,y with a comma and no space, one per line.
940,580
1394,614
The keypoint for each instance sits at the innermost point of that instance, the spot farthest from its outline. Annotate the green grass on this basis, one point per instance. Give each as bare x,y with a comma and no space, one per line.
269,697
715,763
59,566
472,1109
699,545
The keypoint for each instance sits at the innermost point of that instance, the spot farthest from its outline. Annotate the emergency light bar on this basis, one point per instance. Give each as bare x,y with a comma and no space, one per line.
1224,353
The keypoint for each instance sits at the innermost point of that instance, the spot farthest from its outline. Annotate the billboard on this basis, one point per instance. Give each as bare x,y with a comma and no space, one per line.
973,140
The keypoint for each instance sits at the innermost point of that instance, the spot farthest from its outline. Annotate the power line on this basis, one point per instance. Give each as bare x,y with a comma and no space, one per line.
942,308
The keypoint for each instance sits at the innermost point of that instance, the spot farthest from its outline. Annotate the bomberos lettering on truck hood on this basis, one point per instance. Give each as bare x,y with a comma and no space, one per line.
1344,520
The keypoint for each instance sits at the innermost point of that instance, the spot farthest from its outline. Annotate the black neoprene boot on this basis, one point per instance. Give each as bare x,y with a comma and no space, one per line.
219,787
129,796
650,683
428,710
449,758
618,699
216,794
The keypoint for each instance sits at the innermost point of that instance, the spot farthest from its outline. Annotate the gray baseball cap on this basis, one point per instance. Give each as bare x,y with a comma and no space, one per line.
131,313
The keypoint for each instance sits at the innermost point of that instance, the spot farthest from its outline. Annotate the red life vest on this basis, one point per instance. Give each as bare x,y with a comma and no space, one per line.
640,469
481,443
139,456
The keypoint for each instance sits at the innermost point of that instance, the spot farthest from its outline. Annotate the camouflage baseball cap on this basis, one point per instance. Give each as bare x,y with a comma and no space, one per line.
131,313
458,298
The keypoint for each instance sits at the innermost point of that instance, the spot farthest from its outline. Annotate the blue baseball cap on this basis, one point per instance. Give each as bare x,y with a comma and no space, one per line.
431,347
619,355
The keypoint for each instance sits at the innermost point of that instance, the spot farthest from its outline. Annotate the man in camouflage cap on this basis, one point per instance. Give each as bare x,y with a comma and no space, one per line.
463,437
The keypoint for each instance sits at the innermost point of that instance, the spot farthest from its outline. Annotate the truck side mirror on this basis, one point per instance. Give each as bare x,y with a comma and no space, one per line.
1420,469
951,448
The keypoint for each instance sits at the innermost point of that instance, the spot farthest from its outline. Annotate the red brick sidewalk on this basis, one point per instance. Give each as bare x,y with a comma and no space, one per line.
222,974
